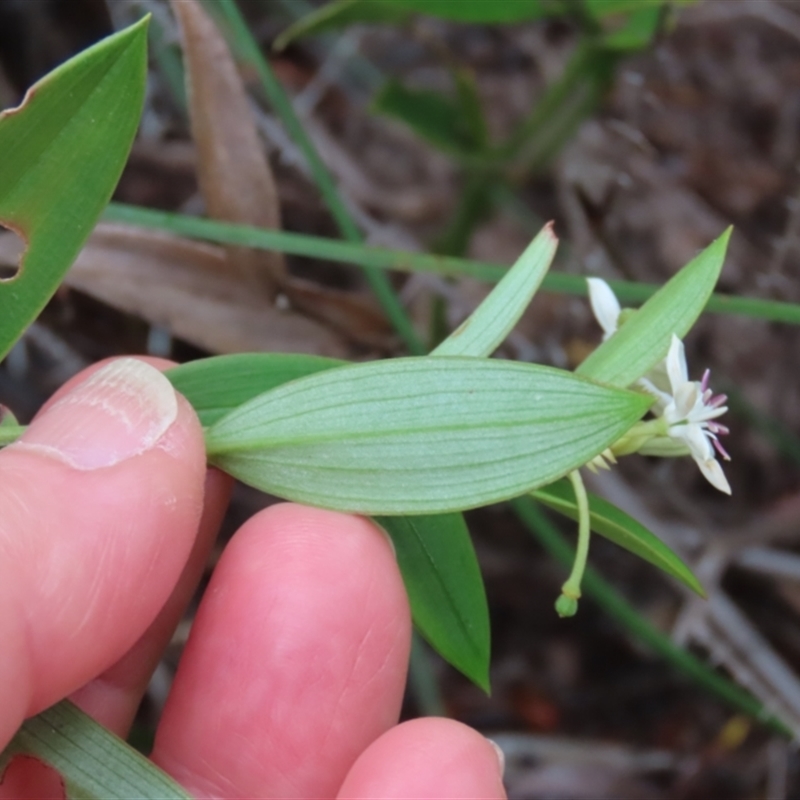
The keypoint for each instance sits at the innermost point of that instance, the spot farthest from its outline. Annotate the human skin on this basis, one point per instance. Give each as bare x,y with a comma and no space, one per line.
291,682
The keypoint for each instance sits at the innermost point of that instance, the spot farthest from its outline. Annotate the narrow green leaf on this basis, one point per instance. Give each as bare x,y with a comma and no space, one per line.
599,9
217,385
608,598
431,115
61,154
483,11
445,589
644,339
470,107
384,259
637,31
620,528
420,435
486,328
93,762
339,14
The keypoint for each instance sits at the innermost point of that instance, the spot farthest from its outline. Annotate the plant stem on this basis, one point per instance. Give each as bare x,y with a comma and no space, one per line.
567,603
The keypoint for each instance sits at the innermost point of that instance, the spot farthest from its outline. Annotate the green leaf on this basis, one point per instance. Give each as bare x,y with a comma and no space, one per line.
420,435
445,589
484,11
486,328
637,31
215,386
93,762
339,14
644,339
61,154
622,529
431,115
435,555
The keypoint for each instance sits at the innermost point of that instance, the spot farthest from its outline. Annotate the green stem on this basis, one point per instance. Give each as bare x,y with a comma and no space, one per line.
567,603
381,258
608,598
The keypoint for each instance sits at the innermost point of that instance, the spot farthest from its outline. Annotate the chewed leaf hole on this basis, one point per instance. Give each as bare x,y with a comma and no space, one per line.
12,247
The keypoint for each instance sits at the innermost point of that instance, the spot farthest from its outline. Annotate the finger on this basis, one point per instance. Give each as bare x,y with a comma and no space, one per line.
100,504
113,697
296,661
427,759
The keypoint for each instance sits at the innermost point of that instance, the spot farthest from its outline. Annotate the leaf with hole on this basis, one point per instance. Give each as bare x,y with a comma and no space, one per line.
61,154
620,528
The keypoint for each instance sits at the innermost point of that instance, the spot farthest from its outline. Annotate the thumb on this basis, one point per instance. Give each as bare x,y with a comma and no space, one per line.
99,506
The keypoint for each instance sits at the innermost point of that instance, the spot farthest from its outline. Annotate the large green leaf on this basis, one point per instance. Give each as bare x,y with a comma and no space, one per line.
61,154
445,588
420,435
434,552
622,529
644,339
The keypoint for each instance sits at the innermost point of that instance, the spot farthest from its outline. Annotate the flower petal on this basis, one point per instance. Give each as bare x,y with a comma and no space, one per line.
676,365
605,306
713,473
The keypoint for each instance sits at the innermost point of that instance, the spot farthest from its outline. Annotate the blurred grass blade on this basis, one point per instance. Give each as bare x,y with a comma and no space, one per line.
382,258
420,435
486,12
440,120
637,32
445,589
608,598
340,14
620,528
234,175
644,339
61,154
94,763
487,327
216,386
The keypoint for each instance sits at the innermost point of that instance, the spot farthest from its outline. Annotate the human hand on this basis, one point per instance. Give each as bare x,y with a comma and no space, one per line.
293,676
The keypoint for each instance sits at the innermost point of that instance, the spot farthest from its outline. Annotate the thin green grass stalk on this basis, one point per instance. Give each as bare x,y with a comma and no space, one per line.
608,598
248,50
379,258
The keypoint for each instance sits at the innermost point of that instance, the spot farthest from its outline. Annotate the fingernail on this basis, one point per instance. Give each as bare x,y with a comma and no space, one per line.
122,410
501,756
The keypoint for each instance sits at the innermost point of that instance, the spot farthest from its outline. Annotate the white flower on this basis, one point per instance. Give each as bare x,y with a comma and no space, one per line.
691,412
689,408
605,306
